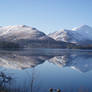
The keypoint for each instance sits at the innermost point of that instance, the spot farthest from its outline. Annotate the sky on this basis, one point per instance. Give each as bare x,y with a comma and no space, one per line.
46,15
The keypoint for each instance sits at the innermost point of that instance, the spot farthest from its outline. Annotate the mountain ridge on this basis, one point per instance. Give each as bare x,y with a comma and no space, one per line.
27,37
79,35
24,36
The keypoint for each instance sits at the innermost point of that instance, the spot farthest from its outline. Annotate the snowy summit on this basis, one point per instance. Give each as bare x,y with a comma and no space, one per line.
82,34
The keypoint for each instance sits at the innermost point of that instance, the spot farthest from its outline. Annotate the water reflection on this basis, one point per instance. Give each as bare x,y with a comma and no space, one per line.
17,61
35,73
80,62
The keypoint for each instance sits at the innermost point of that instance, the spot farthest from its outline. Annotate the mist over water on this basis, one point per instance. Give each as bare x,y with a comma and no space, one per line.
37,70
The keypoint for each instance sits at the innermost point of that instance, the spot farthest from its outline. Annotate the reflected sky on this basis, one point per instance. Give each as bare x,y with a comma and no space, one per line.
71,72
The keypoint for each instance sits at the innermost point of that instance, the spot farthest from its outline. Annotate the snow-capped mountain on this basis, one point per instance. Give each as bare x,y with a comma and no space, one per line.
82,34
18,32
24,36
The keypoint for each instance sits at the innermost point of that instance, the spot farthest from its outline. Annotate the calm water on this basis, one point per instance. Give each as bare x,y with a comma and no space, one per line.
37,70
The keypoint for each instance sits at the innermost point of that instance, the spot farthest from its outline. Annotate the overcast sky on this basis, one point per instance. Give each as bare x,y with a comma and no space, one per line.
46,15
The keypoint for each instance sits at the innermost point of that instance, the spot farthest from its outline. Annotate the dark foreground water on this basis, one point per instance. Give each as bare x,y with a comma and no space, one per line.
37,70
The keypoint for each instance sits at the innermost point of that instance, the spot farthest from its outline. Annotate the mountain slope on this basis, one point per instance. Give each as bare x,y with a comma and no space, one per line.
22,35
28,37
80,35
21,32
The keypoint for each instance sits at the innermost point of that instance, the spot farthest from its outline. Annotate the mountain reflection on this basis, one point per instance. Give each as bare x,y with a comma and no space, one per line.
17,61
80,62
20,72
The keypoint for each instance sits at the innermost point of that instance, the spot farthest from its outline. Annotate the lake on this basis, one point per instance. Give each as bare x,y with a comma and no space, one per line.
38,70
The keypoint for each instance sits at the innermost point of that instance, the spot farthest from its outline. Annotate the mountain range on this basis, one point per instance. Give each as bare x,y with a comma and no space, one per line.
29,37
78,35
